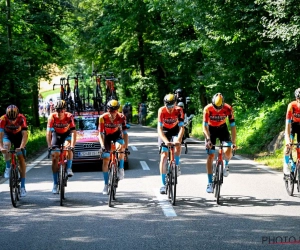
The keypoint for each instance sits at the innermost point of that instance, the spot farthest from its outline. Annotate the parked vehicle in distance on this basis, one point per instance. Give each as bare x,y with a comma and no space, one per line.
87,147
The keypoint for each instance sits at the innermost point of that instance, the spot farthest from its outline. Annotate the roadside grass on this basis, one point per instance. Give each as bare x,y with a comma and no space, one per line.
50,92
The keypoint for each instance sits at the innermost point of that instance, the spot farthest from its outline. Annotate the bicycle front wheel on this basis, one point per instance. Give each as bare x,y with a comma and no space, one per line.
111,184
174,183
13,186
218,181
61,183
289,182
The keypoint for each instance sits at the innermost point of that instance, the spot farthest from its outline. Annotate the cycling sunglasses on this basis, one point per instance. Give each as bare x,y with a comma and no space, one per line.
169,106
60,110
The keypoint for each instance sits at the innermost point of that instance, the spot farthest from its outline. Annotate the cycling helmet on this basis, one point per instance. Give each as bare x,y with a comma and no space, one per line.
12,112
297,93
61,104
113,105
218,101
169,99
180,104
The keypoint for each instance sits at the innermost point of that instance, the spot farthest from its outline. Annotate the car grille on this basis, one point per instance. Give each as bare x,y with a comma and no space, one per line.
86,147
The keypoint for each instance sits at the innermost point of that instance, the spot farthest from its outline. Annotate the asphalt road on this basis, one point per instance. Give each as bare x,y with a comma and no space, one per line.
256,212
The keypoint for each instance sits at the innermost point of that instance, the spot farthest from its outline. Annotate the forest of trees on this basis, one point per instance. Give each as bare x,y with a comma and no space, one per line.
249,50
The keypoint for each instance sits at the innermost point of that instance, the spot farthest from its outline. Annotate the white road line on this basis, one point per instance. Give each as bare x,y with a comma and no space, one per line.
165,204
134,148
144,165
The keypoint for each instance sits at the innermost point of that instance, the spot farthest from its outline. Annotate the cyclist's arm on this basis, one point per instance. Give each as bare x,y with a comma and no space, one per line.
181,133
161,134
73,137
24,138
1,139
205,124
126,139
233,134
288,125
49,137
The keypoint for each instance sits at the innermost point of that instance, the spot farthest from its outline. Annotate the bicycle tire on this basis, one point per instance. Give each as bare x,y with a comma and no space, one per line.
218,175
13,186
289,183
174,183
168,181
61,184
111,181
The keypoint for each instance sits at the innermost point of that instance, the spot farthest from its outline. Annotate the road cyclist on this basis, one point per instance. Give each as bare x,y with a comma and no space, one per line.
61,129
215,127
112,127
170,130
13,131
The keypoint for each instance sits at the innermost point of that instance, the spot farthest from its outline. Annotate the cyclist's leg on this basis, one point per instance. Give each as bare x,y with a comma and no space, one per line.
55,158
7,146
224,136
177,155
120,145
162,166
105,161
17,143
67,144
210,159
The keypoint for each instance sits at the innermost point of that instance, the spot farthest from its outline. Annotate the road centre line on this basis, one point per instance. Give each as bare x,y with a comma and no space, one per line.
144,165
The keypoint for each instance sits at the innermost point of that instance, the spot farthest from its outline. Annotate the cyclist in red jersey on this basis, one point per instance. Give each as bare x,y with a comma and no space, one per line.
61,129
112,127
13,130
292,127
215,127
170,126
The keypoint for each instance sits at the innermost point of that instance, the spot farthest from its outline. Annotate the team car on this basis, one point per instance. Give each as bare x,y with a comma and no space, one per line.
87,147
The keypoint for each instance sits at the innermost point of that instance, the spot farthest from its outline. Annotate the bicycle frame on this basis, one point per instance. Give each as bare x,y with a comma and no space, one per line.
171,175
218,170
61,167
113,174
14,179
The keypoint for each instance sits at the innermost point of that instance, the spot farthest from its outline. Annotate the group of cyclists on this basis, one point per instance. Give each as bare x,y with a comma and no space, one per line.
112,127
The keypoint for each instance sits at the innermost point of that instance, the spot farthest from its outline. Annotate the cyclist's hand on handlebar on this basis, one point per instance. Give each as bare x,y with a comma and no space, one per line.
208,144
234,147
3,150
169,144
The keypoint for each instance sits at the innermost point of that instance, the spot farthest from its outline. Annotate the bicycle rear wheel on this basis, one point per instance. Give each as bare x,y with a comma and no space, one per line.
61,183
174,183
13,186
289,182
111,184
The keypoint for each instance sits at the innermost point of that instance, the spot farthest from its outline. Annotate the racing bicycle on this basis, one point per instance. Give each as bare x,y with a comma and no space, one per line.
171,176
218,169
77,99
98,95
113,178
15,178
294,176
62,173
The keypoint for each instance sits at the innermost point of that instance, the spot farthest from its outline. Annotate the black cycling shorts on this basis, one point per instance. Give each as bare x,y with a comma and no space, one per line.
295,129
220,133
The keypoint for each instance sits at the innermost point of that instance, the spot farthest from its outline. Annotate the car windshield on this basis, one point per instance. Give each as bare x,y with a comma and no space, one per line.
86,124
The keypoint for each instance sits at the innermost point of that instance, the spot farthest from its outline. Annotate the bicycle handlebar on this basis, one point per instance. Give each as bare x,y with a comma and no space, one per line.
55,147
13,151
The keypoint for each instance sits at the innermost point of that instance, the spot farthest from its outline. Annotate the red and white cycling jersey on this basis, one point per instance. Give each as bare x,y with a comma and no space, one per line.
293,111
61,126
13,127
170,120
216,118
109,126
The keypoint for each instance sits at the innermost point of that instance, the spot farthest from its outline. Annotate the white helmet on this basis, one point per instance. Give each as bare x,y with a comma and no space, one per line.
180,104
